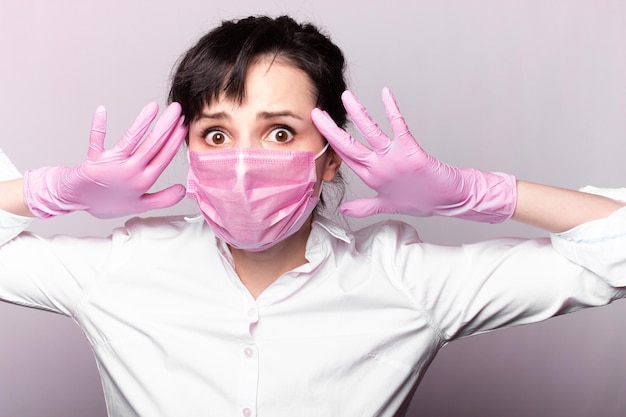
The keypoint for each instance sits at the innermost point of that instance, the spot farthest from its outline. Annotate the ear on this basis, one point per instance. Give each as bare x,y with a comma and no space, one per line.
332,162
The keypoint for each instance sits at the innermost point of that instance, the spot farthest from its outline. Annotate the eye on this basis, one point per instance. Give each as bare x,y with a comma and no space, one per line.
216,137
281,134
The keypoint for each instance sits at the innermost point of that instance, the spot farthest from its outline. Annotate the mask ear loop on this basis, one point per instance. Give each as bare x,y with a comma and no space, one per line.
320,153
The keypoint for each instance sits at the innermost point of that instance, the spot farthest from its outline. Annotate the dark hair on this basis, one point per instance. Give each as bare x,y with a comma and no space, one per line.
217,64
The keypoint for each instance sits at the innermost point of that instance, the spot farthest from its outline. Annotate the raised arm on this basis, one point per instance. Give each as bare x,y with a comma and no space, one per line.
410,181
557,209
12,200
109,183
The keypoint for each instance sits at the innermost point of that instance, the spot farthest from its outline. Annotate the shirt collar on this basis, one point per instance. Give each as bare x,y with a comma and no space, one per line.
319,222
319,244
324,241
329,226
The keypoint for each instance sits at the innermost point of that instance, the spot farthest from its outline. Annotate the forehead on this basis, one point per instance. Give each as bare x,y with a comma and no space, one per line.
273,84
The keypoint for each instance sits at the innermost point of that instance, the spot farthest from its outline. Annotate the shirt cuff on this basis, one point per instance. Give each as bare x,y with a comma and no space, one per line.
598,245
7,169
11,224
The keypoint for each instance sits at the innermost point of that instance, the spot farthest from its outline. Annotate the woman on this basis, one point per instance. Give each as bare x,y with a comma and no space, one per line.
259,306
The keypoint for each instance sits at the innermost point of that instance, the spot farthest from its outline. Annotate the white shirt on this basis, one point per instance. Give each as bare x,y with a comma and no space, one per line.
175,333
350,333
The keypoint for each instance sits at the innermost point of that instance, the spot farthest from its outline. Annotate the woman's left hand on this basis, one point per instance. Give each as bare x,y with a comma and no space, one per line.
407,179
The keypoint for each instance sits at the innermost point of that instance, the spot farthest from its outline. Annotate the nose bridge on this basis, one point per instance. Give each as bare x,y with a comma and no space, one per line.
248,138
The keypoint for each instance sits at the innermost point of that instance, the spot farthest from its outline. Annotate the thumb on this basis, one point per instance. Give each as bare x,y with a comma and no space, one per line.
163,199
362,207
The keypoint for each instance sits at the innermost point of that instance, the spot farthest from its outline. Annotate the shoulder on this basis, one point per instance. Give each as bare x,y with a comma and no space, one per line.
386,234
161,227
162,240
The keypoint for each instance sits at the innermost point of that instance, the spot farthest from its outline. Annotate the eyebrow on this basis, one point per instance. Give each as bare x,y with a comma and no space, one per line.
275,114
265,115
218,115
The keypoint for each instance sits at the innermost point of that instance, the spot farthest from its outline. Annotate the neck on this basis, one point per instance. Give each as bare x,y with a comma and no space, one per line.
258,270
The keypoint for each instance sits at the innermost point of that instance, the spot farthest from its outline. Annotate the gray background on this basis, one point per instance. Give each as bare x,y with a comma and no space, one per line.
535,88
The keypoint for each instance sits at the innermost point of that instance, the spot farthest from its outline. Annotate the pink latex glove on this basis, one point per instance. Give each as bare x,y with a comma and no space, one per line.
407,179
112,183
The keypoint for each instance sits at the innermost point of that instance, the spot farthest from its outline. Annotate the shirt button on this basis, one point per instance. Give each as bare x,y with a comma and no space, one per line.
249,352
252,312
246,412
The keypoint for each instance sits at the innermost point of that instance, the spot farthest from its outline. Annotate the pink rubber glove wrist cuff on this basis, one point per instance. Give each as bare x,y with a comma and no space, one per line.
493,198
38,195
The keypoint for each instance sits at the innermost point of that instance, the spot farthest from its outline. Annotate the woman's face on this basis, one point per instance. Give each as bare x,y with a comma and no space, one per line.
275,114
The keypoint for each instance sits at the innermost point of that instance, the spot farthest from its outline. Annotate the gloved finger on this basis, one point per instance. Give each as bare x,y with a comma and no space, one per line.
356,155
97,133
137,130
348,148
163,199
168,151
362,207
379,141
168,127
401,132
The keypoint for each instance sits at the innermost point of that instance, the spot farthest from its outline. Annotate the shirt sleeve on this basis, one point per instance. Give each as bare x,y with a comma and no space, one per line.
53,273
60,272
11,224
600,245
500,283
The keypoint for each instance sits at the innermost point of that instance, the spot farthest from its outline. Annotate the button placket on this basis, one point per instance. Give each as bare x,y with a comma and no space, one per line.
249,365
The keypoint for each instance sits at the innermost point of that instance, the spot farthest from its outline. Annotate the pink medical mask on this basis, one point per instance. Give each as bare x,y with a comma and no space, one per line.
253,198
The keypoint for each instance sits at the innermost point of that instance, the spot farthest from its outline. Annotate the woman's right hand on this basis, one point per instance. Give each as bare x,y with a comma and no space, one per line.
115,182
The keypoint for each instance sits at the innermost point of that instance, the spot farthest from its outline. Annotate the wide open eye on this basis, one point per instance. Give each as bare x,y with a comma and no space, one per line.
216,138
281,134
